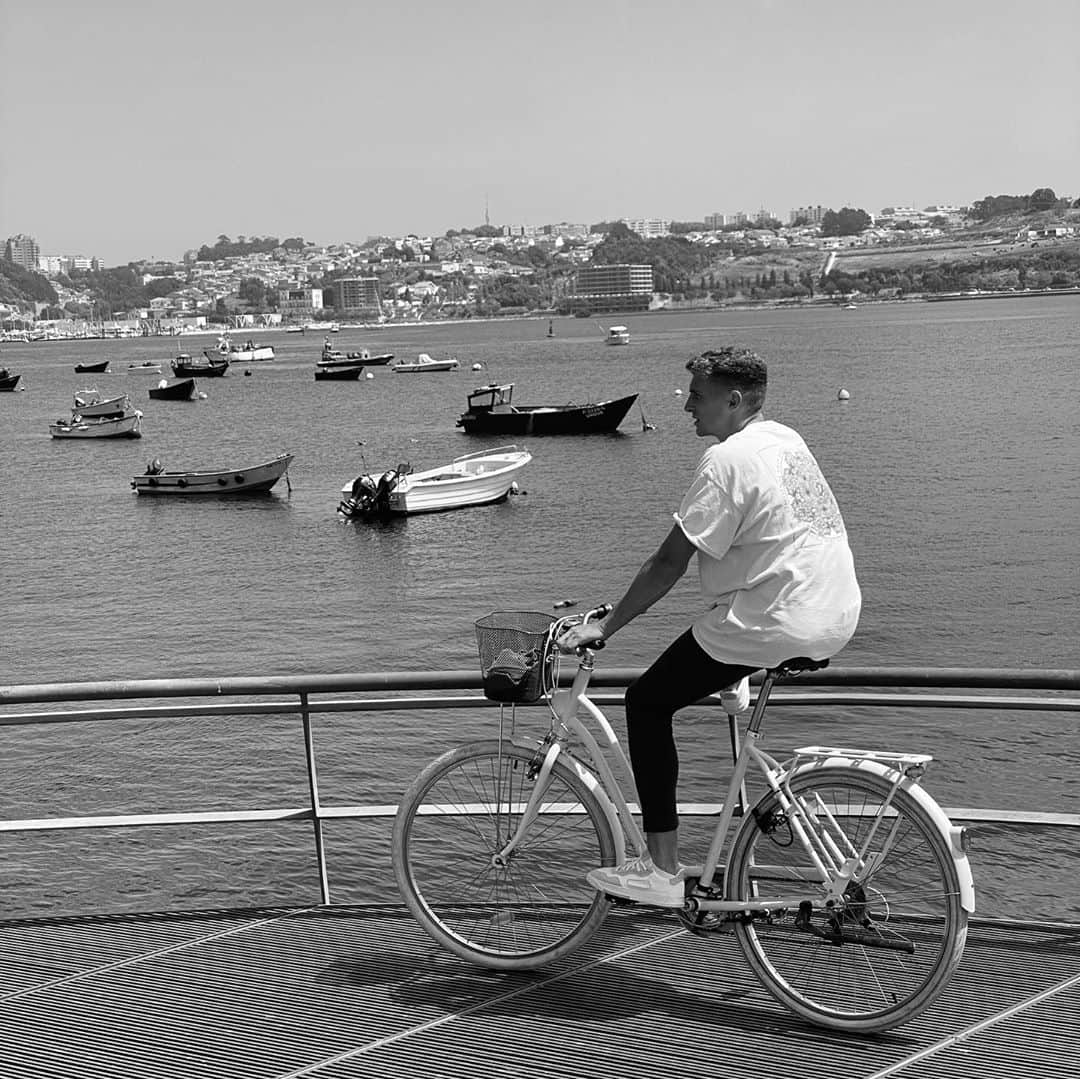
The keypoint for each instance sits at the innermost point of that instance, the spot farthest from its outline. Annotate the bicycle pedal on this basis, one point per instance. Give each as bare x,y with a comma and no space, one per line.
706,923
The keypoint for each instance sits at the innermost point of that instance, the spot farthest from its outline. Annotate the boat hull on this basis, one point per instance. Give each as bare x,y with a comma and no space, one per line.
92,368
600,418
9,382
182,390
338,371
90,405
255,480
122,427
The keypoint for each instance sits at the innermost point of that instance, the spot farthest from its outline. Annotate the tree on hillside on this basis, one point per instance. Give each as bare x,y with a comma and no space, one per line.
844,222
995,205
1042,198
252,290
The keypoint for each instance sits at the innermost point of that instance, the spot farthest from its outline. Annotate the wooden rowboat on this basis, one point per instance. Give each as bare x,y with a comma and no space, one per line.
258,479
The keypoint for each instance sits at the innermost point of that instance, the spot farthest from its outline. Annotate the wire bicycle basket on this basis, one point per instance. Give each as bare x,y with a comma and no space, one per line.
513,655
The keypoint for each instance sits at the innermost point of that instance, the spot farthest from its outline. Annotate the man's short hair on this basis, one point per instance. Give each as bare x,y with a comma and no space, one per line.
741,368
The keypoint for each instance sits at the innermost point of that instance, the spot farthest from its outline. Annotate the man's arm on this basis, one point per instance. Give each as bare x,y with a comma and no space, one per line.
655,579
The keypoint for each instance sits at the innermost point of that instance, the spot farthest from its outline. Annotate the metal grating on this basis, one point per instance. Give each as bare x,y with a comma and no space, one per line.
358,992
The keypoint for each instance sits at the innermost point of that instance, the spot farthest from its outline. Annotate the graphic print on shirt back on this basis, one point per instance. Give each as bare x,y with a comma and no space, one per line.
812,501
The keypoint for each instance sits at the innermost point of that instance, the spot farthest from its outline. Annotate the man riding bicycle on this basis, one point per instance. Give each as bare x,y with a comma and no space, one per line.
777,576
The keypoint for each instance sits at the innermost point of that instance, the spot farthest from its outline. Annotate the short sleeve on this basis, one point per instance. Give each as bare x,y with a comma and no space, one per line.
706,515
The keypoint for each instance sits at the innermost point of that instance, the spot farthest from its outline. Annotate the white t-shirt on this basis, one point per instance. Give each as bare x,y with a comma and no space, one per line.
775,567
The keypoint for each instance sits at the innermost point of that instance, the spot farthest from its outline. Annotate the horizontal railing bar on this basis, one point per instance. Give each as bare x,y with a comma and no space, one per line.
779,699
941,677
958,815
133,820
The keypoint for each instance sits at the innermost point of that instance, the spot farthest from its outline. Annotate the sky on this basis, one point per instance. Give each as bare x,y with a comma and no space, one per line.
138,129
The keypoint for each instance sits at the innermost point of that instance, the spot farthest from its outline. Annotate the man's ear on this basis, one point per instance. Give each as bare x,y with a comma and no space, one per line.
735,398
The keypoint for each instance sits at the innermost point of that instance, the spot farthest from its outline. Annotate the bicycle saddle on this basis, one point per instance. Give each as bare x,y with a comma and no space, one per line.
798,664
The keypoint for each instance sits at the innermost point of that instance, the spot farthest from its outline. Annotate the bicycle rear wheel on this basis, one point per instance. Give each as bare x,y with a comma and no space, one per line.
887,951
512,914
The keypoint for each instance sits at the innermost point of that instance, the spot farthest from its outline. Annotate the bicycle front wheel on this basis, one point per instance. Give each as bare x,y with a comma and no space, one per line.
515,910
885,952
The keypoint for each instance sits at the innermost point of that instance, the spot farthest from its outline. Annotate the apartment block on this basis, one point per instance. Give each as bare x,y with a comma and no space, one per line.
299,303
356,295
812,214
648,228
621,287
23,251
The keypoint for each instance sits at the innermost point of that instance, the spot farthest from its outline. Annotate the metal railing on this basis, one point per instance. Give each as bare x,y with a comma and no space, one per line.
305,696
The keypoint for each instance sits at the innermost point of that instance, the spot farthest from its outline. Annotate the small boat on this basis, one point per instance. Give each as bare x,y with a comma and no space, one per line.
126,426
473,480
89,404
8,381
339,370
618,335
424,363
850,307
334,355
258,479
249,352
99,368
491,412
147,366
185,366
182,389
294,329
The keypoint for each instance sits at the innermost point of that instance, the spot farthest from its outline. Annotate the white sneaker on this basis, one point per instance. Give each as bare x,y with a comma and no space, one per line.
640,880
736,698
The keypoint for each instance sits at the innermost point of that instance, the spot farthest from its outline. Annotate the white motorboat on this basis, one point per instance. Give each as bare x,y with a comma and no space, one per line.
473,480
232,481
126,426
424,363
618,335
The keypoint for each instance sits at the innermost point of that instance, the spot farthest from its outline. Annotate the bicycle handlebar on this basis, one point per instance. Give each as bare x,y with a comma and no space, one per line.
562,624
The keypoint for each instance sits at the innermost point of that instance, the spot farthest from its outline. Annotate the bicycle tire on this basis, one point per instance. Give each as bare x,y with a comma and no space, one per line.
453,819
911,899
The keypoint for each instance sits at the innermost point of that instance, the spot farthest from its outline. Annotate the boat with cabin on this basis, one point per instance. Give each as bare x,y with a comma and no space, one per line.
186,366
249,352
257,479
8,380
475,479
331,355
491,411
424,364
618,335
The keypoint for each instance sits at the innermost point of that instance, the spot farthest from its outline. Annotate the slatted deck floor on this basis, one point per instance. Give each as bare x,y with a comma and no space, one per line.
360,991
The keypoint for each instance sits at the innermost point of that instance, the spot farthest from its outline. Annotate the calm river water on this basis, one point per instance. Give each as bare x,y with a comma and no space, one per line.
956,463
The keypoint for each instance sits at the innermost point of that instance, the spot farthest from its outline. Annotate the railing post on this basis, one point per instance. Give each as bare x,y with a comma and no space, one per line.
313,788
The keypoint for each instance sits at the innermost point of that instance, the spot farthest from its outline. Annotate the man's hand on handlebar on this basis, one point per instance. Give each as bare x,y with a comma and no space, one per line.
589,635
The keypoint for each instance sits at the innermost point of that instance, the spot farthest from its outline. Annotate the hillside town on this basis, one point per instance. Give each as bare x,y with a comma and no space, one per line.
625,265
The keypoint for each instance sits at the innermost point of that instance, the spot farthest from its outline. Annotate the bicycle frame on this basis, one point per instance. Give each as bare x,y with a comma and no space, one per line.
832,861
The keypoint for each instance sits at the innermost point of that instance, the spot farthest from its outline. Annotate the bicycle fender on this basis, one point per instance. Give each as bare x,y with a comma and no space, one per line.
953,834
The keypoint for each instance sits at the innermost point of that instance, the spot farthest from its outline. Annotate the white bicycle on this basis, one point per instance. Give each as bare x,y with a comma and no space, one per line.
846,885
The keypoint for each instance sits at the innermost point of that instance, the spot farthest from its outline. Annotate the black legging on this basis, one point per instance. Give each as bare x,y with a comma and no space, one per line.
683,674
